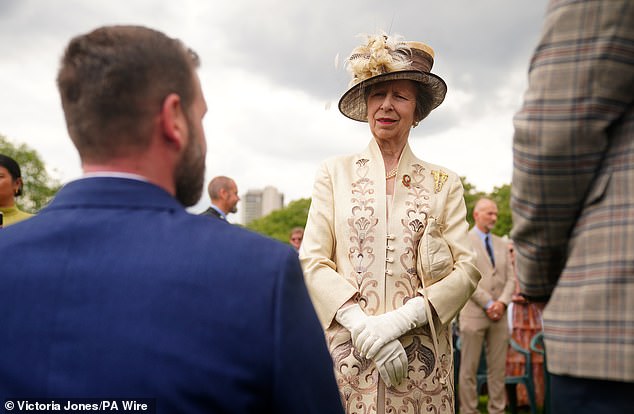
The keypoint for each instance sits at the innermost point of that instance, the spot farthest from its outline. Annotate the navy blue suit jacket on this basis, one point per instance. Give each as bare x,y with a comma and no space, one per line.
114,290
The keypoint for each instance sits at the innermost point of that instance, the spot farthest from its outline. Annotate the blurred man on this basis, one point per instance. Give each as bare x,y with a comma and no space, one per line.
484,319
223,193
573,201
114,291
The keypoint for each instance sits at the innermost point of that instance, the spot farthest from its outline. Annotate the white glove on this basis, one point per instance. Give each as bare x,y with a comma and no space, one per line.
378,330
391,361
353,319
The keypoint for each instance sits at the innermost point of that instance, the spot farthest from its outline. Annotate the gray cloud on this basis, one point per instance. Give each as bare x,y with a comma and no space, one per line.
295,43
268,72
479,44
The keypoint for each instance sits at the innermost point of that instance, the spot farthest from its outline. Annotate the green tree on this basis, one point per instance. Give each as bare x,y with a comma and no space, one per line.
471,196
279,223
39,187
502,197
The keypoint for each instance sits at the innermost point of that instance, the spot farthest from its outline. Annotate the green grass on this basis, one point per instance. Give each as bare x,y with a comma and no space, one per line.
482,407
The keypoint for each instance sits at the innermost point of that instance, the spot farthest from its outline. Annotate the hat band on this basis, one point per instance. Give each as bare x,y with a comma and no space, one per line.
421,60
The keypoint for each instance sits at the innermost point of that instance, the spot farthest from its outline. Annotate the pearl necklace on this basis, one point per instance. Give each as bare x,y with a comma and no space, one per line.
391,173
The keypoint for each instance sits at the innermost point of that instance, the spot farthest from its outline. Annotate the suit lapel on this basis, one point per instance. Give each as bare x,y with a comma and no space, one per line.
482,255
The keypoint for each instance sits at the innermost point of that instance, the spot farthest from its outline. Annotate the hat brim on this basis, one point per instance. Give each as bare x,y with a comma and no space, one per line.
353,103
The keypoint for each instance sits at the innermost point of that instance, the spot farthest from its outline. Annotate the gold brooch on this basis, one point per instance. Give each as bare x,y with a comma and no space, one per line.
439,180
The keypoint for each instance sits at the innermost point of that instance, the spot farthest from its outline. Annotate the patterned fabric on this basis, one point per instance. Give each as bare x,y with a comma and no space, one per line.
526,321
573,187
350,249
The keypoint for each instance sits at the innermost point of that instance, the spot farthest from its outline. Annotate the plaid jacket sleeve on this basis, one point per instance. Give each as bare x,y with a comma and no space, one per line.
581,82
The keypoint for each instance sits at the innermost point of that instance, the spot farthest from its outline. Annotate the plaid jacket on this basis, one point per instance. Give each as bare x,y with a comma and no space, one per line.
573,187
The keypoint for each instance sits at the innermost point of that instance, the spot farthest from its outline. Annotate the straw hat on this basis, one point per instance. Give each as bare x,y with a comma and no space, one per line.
384,58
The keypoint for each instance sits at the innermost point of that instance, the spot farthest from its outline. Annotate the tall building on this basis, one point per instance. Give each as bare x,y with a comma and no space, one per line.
259,203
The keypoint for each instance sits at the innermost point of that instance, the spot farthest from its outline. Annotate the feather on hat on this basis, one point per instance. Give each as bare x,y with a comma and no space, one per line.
384,58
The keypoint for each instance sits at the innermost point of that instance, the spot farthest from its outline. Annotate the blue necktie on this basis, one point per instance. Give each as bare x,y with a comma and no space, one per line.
487,243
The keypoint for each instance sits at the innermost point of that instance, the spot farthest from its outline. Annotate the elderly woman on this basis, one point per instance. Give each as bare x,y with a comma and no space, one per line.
385,253
10,188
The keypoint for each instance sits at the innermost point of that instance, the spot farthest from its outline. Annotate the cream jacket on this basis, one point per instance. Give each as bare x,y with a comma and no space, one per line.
497,283
351,250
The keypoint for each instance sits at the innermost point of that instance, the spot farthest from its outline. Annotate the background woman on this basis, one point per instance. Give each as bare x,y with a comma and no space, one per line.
10,188
385,249
526,322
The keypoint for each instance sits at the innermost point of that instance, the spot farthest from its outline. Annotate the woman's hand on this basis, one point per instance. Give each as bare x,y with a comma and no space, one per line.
353,319
391,361
378,330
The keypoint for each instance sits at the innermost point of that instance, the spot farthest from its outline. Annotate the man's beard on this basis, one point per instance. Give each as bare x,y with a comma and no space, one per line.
189,176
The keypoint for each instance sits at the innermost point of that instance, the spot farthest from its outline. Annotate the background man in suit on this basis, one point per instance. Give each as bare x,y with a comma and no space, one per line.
484,318
113,292
223,193
573,201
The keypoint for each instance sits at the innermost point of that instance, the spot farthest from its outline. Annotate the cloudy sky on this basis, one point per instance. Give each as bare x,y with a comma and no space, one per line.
271,81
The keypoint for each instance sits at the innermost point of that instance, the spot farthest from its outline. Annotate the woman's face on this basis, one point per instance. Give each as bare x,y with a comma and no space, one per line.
8,188
391,107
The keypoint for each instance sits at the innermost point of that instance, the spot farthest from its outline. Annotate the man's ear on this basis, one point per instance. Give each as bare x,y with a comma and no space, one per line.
173,121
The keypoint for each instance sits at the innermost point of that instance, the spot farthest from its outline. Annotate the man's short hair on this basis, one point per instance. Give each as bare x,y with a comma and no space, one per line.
478,206
218,183
296,230
113,82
